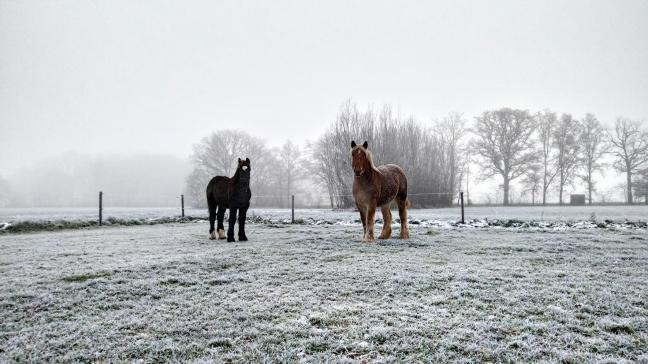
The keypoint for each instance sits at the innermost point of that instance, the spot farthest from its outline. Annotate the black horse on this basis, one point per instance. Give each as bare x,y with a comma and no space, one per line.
233,193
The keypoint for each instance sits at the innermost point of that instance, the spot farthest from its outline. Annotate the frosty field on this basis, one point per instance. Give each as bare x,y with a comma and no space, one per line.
53,219
314,293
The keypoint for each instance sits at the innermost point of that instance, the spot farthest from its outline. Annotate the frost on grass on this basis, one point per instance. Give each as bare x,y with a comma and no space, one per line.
29,226
525,217
314,293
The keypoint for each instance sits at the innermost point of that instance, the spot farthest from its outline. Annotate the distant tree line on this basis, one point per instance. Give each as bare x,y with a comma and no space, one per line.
73,180
550,151
541,152
431,158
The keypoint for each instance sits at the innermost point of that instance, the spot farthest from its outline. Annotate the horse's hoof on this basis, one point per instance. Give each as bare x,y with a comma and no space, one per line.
368,240
243,238
230,240
212,236
404,235
385,236
221,234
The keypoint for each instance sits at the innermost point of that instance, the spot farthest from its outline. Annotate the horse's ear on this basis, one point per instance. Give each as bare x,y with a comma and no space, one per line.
239,160
365,145
247,160
353,144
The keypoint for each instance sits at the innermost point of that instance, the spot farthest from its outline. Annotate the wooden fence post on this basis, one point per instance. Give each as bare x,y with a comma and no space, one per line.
100,207
182,204
293,209
462,208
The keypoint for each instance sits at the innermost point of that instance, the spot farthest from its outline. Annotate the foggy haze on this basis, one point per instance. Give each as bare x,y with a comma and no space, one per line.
119,80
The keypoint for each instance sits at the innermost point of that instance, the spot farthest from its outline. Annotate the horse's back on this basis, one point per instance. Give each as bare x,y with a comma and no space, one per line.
218,181
392,170
394,182
217,189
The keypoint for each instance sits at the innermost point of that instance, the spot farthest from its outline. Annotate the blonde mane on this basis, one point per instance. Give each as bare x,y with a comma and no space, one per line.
368,155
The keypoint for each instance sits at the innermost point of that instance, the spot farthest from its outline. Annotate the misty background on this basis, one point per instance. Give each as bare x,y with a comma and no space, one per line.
125,97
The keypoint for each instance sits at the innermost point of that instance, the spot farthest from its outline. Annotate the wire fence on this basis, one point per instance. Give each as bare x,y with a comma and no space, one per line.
459,196
294,203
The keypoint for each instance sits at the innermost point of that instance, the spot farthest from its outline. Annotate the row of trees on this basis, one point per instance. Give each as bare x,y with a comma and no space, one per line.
276,172
544,151
430,157
547,150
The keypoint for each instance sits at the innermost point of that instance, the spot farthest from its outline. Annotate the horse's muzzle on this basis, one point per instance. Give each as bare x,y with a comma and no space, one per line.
358,173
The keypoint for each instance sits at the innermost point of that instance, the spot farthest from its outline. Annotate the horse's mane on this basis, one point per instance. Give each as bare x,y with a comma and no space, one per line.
368,155
235,177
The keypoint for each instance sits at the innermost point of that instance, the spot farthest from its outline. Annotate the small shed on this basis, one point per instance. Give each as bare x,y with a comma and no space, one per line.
577,200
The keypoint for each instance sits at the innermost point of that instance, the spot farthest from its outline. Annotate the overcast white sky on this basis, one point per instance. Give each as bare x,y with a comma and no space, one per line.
125,77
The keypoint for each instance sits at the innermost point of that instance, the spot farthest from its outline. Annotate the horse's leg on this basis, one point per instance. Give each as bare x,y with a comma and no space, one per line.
211,206
363,218
241,221
232,222
371,213
387,221
220,215
402,212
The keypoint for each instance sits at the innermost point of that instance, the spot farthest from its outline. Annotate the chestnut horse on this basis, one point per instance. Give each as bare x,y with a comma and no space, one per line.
377,187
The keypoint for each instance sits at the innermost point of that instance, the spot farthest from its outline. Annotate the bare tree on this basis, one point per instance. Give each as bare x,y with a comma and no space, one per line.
452,130
532,180
630,147
565,141
593,142
546,121
218,153
504,143
321,166
641,185
288,171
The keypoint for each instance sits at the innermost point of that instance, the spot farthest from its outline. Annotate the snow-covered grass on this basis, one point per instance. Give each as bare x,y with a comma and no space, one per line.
314,293
28,226
553,217
535,213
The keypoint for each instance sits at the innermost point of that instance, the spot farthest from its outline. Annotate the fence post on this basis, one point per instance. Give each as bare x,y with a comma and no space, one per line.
182,204
100,207
462,208
293,209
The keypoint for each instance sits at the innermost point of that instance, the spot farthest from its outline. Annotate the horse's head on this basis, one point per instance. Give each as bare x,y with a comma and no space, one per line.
360,159
243,169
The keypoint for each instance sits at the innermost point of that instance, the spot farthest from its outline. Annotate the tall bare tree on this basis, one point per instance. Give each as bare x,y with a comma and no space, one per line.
593,143
546,121
452,130
565,140
289,171
630,147
504,143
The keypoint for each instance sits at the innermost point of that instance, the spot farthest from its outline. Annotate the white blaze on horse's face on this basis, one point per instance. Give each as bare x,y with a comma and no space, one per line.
245,168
